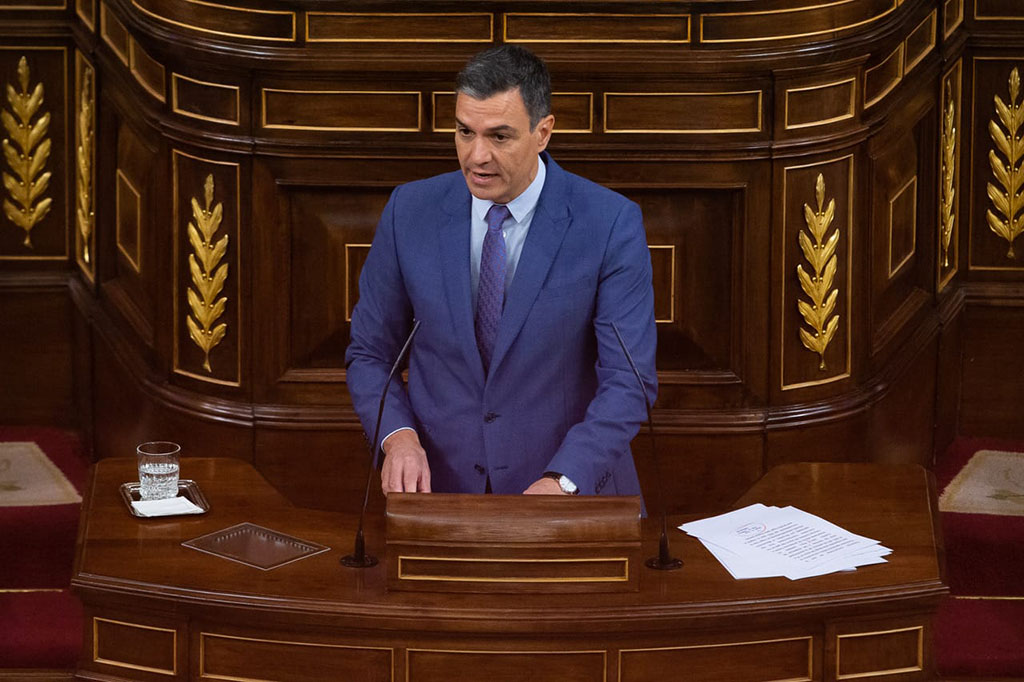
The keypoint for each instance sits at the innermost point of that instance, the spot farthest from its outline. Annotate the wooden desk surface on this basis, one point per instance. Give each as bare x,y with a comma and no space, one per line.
129,565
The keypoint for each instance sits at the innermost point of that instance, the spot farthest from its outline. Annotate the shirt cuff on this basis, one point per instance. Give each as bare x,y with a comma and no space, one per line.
401,428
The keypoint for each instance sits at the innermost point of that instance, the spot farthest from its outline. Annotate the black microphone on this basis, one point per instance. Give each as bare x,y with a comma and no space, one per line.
664,561
359,558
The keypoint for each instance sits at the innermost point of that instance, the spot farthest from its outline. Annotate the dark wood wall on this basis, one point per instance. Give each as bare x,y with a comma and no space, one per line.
815,179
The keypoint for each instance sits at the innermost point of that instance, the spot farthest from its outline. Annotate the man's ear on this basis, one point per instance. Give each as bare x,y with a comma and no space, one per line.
543,130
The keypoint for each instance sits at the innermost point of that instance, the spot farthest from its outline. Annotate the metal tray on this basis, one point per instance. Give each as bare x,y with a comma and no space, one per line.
187,488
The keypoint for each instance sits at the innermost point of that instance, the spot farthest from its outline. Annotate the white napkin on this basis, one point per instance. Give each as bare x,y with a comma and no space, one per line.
170,506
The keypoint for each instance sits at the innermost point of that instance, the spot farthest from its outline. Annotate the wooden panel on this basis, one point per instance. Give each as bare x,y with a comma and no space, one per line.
114,33
879,80
341,110
902,422
989,251
128,220
991,355
755,661
885,652
815,105
42,231
420,27
207,243
204,100
147,71
425,665
223,20
500,571
788,23
226,657
144,648
683,112
997,10
801,367
552,27
952,16
902,226
86,11
920,42
573,111
34,5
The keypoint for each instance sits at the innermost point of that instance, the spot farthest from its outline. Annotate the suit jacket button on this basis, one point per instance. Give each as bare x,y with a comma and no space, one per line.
490,417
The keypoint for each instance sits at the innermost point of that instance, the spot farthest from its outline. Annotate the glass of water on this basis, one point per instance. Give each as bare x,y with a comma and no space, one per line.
158,470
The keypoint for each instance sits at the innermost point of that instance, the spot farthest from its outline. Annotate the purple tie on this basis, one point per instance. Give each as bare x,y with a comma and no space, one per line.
491,289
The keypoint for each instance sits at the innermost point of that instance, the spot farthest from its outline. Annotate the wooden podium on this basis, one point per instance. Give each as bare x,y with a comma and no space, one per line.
157,610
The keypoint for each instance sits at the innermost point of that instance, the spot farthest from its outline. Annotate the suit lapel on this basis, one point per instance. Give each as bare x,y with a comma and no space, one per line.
454,246
547,230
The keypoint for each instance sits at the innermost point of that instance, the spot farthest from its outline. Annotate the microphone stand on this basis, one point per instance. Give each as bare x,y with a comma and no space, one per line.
359,558
664,561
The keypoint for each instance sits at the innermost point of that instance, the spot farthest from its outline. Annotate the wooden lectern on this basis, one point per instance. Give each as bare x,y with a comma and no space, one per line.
513,543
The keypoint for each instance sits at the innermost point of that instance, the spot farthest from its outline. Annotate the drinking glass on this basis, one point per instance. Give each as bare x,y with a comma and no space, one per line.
158,469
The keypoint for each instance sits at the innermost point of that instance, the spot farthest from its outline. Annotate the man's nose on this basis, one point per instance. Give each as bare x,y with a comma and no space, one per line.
479,151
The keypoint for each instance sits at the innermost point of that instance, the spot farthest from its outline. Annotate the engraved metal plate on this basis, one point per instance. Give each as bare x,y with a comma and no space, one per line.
187,488
255,546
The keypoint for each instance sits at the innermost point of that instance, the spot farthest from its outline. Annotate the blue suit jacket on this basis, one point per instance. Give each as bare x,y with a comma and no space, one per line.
560,395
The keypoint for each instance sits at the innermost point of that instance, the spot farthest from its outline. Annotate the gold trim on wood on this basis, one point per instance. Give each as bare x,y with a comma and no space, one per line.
898,54
948,26
821,254
994,17
208,274
609,39
108,19
880,673
96,620
1007,198
434,128
289,126
213,676
62,5
672,281
226,8
175,153
711,131
790,36
554,579
175,77
134,52
88,17
893,271
134,260
810,652
604,656
401,15
85,154
848,114
932,31
28,204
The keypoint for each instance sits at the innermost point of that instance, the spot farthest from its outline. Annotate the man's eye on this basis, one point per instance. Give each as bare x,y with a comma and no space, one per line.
500,138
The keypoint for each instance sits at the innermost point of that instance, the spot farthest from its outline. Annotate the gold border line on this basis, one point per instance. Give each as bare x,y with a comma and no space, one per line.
991,17
161,95
810,653
758,129
55,8
91,25
488,39
174,99
277,126
946,32
933,18
834,29
590,112
849,278
913,233
130,666
889,671
851,113
144,10
506,15
105,17
492,652
175,232
484,560
899,54
135,262
348,277
672,281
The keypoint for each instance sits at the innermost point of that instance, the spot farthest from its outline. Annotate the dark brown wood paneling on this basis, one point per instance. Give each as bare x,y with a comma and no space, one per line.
150,73
881,78
205,100
506,666
789,23
737,661
992,365
683,112
920,42
133,646
384,111
574,112
233,657
952,16
820,103
86,11
422,27
114,33
586,27
997,10
221,19
880,652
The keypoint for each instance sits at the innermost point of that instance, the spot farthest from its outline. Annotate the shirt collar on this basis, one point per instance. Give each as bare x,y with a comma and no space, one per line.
522,205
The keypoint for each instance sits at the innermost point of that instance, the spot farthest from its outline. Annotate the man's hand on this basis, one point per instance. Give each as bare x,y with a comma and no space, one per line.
405,467
545,486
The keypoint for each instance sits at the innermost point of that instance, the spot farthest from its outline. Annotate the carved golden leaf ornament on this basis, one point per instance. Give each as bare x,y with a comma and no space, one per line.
1006,198
84,157
948,174
26,150
208,275
821,256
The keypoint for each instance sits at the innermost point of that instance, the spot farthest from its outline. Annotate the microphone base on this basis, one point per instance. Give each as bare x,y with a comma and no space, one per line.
353,561
659,564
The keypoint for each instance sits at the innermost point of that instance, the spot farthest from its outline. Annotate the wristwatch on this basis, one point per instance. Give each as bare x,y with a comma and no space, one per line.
564,482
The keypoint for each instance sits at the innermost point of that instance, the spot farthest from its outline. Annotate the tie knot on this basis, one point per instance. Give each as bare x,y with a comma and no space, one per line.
496,215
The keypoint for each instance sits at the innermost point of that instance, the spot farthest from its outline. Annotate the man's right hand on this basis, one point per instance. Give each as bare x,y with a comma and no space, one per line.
405,467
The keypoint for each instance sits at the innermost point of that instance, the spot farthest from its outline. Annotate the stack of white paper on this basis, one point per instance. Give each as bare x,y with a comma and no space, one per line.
766,542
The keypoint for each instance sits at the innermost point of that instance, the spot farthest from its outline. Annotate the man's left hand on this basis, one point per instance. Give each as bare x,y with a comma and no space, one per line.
545,486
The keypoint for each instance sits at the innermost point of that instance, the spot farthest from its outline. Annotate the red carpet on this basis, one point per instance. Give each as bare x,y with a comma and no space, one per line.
40,620
984,558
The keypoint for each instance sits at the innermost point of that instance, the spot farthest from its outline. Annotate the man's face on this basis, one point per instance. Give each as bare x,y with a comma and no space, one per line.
496,148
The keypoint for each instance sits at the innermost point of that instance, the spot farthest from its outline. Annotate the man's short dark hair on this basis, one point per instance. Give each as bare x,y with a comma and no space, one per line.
504,68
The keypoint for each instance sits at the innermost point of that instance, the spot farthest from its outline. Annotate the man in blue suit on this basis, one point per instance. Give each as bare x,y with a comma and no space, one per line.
516,270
